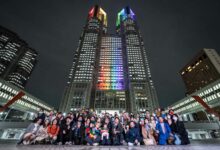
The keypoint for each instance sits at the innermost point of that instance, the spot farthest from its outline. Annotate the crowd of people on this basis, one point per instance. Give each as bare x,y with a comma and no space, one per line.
86,127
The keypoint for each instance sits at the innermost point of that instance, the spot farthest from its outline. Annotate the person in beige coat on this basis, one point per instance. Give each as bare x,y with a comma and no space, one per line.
147,133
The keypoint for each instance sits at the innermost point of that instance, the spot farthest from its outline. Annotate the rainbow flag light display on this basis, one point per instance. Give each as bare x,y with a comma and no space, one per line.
111,65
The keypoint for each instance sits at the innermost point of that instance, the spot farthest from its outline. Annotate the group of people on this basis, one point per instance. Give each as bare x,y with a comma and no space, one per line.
85,127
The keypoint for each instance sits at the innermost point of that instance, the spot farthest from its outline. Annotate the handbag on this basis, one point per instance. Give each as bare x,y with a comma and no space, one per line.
170,140
177,139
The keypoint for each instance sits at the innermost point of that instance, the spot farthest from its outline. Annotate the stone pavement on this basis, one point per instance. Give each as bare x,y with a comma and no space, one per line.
74,147
196,145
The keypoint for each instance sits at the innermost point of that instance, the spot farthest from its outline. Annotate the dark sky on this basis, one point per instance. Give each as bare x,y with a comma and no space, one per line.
173,31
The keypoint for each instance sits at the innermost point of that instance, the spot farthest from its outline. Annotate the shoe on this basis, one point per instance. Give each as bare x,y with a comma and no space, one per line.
130,144
26,142
95,144
20,142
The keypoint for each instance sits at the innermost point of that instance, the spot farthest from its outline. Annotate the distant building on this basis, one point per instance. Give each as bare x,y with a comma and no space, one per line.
202,70
202,78
17,59
24,108
110,72
15,119
200,123
190,110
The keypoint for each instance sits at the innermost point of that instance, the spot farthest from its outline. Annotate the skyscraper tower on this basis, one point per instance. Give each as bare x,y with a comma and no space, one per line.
142,92
110,72
17,59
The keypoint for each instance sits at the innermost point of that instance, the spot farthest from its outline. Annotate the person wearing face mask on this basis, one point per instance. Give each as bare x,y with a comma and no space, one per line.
41,115
178,128
163,114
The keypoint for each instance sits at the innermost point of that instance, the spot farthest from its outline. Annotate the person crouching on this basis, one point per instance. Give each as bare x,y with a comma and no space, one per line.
92,135
132,135
105,135
53,131
30,134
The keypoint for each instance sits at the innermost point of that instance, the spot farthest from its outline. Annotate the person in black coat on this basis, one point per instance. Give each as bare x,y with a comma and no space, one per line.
177,127
133,135
78,134
117,132
66,131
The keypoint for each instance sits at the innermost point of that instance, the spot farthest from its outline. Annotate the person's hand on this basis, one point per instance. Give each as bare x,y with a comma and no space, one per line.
114,131
64,132
95,136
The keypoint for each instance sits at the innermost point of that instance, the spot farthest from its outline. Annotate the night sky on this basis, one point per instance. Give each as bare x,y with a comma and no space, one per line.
173,31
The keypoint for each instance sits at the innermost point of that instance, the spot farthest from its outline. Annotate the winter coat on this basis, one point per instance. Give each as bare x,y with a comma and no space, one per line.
163,136
179,128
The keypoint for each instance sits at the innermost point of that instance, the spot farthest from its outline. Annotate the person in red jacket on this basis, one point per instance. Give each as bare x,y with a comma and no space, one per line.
53,131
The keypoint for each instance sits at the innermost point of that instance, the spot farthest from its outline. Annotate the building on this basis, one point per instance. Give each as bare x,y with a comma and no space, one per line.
17,59
202,70
15,119
190,110
110,72
200,123
24,108
201,77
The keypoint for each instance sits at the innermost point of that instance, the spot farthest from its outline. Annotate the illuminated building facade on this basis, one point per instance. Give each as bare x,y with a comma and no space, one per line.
23,108
15,118
110,72
202,70
110,86
17,59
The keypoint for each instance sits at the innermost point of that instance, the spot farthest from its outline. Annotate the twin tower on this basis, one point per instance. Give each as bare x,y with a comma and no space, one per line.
110,73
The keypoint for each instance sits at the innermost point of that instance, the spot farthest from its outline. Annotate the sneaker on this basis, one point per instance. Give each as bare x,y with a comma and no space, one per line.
95,144
130,144
26,142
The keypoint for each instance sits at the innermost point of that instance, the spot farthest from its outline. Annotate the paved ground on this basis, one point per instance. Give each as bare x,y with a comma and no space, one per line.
53,147
196,145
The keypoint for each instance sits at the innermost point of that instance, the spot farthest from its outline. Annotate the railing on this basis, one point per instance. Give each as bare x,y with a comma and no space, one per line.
201,125
11,124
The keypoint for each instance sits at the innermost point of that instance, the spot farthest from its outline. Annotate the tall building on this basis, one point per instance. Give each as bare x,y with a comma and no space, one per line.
202,70
110,72
17,59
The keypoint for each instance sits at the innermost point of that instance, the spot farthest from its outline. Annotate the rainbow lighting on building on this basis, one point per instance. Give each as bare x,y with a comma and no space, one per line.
99,13
111,76
110,72
123,14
